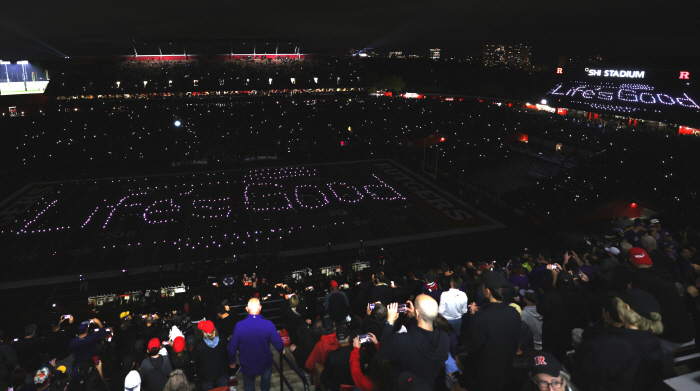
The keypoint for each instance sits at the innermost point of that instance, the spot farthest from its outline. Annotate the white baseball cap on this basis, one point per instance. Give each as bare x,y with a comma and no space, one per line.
132,381
613,250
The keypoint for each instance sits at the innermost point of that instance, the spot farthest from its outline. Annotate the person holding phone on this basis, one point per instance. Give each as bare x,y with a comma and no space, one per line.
56,341
376,379
423,350
84,346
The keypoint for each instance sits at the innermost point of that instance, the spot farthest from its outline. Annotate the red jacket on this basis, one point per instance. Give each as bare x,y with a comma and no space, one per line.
325,345
361,381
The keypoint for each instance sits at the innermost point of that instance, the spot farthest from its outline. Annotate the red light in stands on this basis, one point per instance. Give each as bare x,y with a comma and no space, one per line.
442,139
634,205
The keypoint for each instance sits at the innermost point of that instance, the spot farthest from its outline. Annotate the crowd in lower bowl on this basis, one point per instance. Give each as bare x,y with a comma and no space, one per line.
610,318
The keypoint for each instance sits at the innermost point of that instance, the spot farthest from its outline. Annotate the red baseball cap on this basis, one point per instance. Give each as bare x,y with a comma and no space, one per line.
334,284
178,344
154,343
207,326
639,257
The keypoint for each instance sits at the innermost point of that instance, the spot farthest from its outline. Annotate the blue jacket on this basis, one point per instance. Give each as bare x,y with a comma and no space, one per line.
252,337
86,347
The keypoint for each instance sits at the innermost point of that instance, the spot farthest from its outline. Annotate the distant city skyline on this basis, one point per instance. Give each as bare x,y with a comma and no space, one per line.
39,29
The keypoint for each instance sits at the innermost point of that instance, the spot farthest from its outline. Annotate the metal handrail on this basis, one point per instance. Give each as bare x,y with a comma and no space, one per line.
283,380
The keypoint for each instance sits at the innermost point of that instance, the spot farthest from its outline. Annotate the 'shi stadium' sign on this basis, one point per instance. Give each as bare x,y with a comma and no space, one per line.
615,73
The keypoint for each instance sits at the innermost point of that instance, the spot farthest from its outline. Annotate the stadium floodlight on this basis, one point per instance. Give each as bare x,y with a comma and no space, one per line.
25,62
544,101
5,62
178,123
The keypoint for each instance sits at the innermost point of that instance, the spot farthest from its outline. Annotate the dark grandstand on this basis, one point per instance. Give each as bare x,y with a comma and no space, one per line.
150,180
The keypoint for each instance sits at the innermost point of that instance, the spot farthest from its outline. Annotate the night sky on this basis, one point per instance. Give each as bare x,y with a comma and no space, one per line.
43,29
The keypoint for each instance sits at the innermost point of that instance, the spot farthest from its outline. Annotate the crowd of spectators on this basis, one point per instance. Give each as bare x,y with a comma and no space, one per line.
114,137
609,317
99,78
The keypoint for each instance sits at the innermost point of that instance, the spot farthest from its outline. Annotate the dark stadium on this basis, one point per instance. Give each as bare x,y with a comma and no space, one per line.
372,218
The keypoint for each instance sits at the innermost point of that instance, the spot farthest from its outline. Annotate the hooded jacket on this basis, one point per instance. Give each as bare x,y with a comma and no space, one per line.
419,351
493,336
678,325
155,372
325,345
212,363
618,359
534,321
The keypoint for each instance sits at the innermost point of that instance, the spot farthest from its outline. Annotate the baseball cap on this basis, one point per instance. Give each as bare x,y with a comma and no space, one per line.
638,222
334,284
83,326
546,363
515,265
328,326
639,257
153,343
123,315
613,250
174,333
654,221
670,244
341,333
493,280
640,302
207,326
409,382
132,381
178,344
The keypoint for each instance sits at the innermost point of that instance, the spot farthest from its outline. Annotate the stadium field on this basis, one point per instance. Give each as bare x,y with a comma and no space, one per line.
80,227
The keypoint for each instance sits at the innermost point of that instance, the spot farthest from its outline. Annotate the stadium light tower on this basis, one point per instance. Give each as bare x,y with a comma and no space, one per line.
7,74
24,69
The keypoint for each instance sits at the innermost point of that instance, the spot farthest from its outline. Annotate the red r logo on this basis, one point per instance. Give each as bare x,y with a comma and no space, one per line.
684,75
561,70
539,360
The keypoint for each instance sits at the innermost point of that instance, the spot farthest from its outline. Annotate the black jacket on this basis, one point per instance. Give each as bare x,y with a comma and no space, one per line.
618,359
678,325
381,293
56,343
336,369
212,363
492,337
292,321
29,353
154,373
419,351
8,361
661,260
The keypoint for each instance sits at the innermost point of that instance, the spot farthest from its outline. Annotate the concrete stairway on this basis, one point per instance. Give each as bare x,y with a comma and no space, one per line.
289,374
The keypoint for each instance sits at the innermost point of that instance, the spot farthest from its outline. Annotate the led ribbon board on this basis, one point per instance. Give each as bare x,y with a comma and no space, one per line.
623,98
